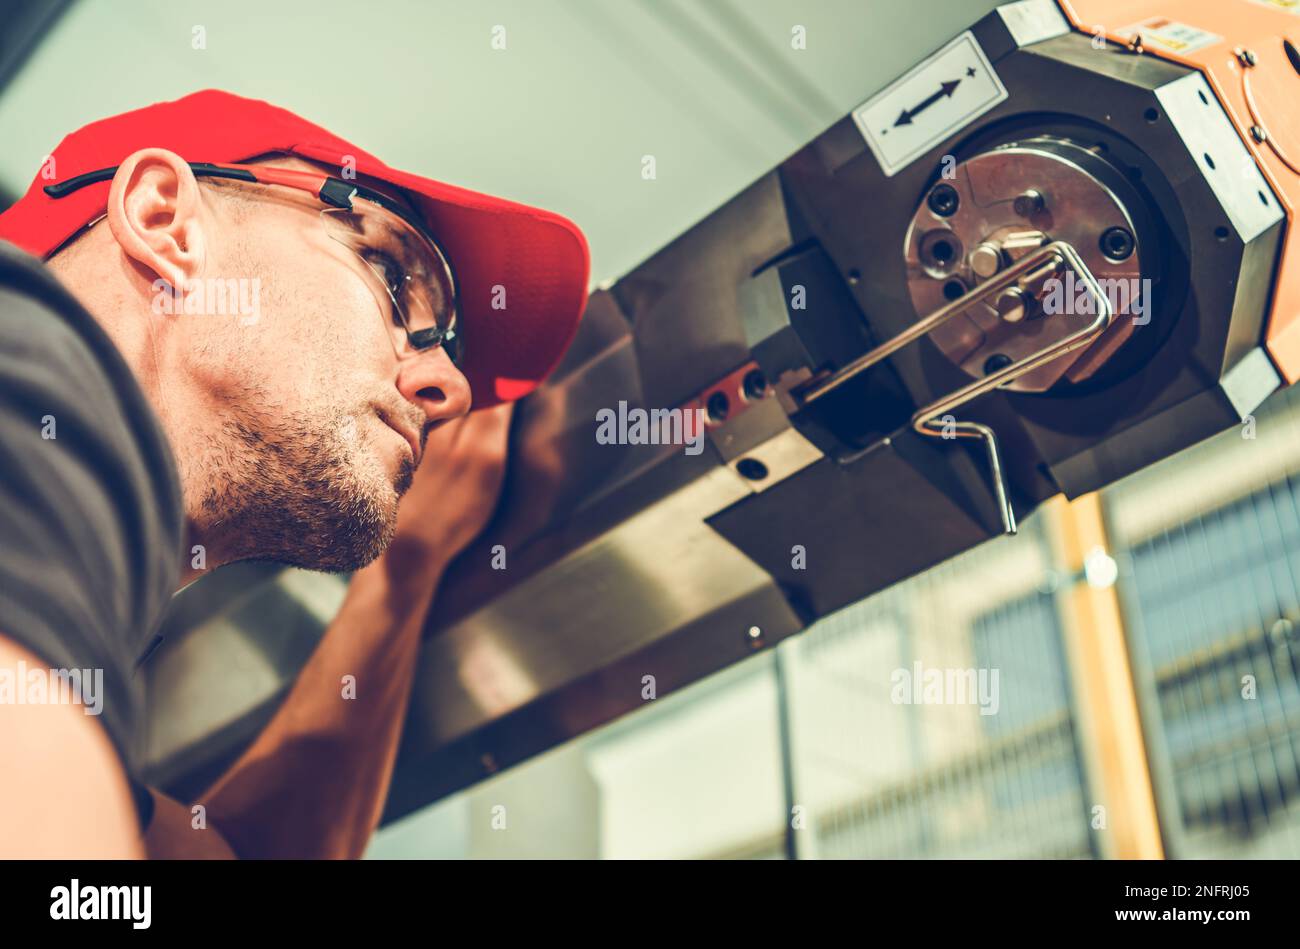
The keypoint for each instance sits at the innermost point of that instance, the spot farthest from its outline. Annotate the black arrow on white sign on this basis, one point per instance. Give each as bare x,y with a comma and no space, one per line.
945,90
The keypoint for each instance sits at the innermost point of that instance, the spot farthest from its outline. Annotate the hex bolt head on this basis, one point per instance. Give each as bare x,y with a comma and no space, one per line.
943,200
1116,243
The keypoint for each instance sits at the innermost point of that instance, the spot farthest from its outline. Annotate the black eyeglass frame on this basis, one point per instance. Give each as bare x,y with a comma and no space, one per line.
334,192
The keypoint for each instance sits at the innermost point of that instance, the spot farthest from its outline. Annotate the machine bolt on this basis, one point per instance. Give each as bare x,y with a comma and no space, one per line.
1011,307
986,259
1029,203
1259,133
1116,243
943,200
1247,57
995,362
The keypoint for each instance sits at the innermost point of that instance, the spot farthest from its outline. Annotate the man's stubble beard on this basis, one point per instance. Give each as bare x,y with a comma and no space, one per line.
300,492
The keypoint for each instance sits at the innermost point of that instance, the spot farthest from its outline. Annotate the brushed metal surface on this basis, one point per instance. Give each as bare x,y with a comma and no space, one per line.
641,581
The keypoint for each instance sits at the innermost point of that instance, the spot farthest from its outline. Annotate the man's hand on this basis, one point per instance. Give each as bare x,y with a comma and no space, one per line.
454,492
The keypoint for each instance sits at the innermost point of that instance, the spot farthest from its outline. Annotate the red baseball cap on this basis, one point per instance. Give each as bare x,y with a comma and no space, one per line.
539,258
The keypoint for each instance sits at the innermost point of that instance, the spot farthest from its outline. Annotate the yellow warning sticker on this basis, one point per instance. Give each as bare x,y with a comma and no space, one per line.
1290,6
1170,35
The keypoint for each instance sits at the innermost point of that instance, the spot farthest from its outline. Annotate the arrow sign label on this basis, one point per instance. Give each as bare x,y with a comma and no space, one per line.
947,89
931,103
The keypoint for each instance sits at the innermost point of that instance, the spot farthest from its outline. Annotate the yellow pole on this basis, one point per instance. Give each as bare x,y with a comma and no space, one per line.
1106,705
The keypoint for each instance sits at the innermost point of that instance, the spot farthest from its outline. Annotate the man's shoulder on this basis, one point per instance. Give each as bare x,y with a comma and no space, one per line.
70,407
27,277
40,317
91,522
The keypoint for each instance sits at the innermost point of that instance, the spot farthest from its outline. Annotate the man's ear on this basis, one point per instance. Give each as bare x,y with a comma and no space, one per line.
155,211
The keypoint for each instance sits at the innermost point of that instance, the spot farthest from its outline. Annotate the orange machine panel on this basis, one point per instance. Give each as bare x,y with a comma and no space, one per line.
1249,51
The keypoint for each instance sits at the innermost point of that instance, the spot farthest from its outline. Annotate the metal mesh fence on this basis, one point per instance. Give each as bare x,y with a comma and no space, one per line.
933,719
1210,543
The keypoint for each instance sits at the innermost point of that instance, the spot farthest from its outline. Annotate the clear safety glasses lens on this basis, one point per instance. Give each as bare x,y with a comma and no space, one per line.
414,275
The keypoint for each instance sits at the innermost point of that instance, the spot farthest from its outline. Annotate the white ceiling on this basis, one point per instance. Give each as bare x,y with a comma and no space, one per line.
560,118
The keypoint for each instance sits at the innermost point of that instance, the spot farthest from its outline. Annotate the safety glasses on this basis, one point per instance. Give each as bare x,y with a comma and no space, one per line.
409,271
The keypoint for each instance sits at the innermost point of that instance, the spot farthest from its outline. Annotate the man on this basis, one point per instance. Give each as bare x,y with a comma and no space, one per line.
245,331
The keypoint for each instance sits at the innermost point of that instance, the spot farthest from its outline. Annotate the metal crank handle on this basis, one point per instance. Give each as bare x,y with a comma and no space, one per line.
1026,273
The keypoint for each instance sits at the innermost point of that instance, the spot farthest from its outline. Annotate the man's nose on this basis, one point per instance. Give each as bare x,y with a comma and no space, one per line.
431,382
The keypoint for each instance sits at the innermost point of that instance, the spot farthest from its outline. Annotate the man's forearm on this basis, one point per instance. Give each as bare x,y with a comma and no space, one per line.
314,782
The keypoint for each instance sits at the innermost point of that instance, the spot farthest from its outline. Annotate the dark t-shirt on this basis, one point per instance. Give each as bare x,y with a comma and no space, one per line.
91,522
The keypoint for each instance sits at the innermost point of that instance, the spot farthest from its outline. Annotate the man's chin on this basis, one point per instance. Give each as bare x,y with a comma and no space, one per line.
351,553
330,538
405,476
